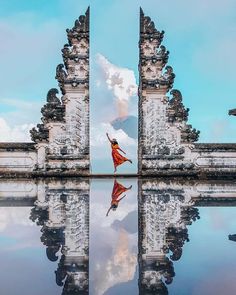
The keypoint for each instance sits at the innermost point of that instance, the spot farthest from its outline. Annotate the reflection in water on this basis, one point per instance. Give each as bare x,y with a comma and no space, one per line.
164,213
63,213
165,209
118,190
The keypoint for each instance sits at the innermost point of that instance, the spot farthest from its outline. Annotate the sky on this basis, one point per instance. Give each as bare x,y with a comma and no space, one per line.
200,35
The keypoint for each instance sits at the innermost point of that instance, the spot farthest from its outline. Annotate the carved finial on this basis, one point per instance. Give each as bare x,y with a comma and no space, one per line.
80,29
52,96
189,134
148,29
39,133
74,71
53,110
154,57
232,112
176,111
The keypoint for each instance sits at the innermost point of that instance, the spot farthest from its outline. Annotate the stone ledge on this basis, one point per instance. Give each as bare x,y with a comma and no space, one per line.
162,157
17,146
38,174
67,157
215,147
214,202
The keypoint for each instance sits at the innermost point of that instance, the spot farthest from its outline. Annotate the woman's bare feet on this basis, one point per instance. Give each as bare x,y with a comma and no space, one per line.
115,170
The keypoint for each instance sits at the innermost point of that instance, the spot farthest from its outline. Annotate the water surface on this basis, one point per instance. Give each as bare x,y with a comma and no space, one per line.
162,237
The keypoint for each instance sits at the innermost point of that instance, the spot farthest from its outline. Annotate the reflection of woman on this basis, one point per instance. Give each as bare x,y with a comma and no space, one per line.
118,189
118,159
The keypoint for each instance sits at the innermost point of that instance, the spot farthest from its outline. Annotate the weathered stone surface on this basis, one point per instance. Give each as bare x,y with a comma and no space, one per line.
17,146
167,143
62,139
232,112
62,210
166,209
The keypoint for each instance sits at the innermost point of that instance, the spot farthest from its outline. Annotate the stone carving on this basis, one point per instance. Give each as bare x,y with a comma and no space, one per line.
189,134
65,126
163,129
65,228
176,112
232,112
75,56
61,77
148,29
53,111
153,57
80,29
162,54
39,134
164,214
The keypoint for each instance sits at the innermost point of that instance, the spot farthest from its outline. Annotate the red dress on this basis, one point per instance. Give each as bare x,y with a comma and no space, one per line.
118,159
118,189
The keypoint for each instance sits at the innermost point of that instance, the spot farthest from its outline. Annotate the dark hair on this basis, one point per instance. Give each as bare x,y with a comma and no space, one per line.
114,142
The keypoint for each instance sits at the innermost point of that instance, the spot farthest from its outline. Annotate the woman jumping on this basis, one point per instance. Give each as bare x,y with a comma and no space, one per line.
118,159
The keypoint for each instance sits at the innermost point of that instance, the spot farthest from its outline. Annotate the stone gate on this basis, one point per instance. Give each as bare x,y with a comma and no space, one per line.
167,144
61,141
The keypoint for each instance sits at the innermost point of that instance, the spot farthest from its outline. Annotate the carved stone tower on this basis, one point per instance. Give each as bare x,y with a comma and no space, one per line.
165,210
164,135
63,137
62,209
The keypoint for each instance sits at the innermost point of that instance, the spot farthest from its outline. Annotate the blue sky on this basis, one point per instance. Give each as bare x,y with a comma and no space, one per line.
200,35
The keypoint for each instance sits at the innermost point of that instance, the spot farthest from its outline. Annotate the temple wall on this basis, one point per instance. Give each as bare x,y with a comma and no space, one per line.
218,158
17,157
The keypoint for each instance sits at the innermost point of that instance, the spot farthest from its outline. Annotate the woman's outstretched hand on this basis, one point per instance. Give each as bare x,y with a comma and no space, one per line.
108,137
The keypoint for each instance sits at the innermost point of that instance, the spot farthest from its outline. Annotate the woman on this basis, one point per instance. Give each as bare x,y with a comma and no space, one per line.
118,159
118,189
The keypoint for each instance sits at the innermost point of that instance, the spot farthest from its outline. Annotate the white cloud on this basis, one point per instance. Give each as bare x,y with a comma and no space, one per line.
121,81
17,133
14,216
99,135
118,268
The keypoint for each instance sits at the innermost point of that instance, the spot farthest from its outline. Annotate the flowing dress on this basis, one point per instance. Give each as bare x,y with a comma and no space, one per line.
118,159
118,189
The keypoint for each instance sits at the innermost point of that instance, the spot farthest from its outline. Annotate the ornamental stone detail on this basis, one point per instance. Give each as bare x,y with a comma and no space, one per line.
63,135
164,135
167,142
62,211
164,213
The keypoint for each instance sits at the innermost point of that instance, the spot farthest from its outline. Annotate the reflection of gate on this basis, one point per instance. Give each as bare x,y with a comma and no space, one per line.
166,208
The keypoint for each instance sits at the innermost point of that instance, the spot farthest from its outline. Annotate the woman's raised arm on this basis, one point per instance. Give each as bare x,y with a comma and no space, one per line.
108,137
